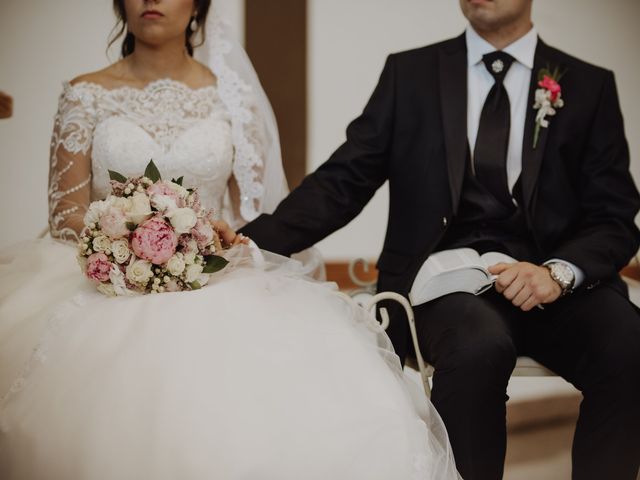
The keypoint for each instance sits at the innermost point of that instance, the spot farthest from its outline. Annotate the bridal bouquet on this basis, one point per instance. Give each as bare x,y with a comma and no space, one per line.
149,236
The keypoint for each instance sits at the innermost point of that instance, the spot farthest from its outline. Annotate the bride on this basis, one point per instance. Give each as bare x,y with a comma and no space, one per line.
263,374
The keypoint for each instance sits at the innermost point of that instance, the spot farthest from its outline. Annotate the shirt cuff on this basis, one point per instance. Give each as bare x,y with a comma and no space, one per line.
578,274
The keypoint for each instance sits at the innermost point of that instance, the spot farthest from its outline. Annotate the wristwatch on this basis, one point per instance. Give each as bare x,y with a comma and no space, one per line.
563,275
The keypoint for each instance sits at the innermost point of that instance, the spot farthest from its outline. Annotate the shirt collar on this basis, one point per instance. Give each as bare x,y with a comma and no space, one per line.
523,49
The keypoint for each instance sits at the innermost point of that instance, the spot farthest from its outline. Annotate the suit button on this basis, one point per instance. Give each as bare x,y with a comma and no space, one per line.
445,222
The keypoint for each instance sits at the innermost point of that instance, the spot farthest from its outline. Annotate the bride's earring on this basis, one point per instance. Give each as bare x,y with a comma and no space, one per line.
194,24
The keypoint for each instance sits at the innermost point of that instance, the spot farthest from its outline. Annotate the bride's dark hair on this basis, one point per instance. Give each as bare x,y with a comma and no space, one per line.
129,42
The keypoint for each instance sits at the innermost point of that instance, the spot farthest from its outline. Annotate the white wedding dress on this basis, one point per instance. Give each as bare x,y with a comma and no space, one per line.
262,374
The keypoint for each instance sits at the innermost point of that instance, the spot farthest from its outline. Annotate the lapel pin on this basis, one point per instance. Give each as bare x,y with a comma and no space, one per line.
497,66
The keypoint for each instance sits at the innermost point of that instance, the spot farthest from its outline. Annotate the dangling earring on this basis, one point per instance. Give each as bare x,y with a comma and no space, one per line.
194,24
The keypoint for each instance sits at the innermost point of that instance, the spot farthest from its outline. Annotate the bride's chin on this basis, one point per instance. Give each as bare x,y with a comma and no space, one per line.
155,37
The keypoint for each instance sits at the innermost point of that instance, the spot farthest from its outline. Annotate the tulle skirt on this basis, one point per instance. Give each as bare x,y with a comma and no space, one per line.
262,374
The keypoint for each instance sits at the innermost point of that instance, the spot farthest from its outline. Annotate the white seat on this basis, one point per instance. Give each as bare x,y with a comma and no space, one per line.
366,296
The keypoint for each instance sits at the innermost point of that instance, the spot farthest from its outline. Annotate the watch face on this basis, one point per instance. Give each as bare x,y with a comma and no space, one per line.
562,274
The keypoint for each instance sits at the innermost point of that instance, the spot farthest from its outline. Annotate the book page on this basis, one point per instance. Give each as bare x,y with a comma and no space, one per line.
456,270
455,259
491,258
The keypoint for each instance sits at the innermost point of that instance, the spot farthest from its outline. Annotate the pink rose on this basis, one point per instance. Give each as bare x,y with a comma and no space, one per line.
172,286
550,84
162,188
154,240
203,233
98,267
114,223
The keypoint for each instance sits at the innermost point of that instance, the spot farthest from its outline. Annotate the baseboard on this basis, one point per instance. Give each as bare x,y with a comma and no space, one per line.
542,412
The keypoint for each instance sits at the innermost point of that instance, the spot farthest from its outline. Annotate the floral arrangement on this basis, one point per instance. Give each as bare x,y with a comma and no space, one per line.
149,236
547,100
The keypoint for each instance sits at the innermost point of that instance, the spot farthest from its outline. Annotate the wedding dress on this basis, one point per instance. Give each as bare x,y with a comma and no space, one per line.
262,374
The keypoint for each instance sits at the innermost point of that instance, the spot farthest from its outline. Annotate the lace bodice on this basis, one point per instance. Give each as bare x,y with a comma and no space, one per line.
187,132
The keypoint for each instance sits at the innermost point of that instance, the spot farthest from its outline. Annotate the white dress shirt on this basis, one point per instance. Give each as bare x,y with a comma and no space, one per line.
516,82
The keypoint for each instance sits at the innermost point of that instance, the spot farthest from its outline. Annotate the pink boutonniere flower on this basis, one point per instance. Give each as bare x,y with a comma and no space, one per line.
548,99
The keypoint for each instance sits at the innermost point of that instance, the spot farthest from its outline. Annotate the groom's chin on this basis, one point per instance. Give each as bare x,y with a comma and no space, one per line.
479,11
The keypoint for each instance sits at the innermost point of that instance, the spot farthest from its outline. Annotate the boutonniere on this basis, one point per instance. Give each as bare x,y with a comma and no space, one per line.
548,99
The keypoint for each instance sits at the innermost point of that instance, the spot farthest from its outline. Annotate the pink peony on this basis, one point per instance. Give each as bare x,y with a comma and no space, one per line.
114,223
98,267
154,240
550,84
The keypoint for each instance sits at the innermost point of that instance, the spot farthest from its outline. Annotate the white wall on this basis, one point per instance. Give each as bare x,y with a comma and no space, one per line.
350,39
43,42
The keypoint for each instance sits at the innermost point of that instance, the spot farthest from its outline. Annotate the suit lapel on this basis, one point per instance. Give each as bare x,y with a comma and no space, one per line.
453,98
532,157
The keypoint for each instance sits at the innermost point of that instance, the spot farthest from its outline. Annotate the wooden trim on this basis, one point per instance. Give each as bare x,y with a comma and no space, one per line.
276,41
631,271
339,272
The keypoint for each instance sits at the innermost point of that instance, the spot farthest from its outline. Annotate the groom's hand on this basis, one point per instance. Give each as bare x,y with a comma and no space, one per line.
524,284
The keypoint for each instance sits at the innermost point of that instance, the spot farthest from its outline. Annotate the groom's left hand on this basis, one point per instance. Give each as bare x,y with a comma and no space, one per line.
524,284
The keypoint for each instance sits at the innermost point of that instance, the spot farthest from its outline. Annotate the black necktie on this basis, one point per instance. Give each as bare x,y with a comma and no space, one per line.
492,142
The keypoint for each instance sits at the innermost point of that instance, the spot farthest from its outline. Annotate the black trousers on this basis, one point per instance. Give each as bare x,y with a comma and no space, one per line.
591,338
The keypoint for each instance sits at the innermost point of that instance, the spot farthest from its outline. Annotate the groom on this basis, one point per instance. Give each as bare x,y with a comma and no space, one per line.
467,138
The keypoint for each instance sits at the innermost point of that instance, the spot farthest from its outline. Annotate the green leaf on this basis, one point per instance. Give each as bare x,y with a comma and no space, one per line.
555,74
152,172
195,285
131,226
178,181
214,263
544,72
118,177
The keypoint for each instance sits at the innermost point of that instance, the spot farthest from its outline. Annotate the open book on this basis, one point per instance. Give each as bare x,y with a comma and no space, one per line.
457,270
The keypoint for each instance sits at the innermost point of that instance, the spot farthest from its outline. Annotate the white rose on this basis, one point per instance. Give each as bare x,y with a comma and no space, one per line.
123,203
101,244
203,279
190,258
176,265
139,271
193,273
95,211
183,220
179,190
164,203
120,250
107,289
192,251
140,208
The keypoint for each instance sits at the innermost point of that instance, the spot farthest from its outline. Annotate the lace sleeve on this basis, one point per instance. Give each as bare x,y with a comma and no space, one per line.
70,163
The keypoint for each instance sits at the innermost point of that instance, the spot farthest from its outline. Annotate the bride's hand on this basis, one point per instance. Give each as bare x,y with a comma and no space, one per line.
228,235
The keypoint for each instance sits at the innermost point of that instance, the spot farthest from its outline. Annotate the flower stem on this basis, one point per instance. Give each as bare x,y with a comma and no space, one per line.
536,135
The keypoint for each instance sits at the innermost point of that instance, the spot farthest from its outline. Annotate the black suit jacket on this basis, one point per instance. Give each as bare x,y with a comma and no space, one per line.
579,198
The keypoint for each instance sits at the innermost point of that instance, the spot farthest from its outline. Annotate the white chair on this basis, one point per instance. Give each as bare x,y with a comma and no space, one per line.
366,296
